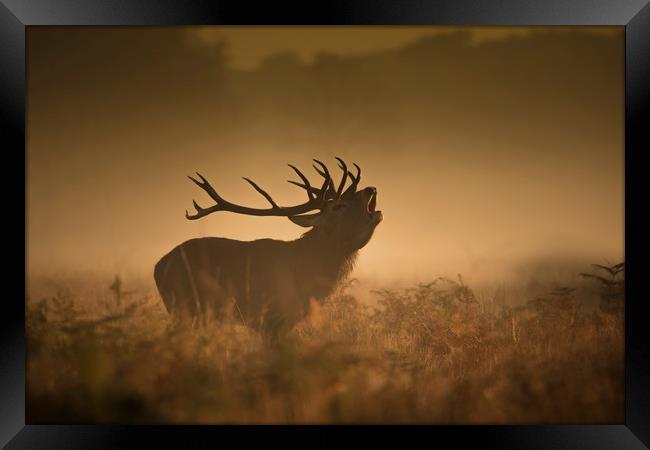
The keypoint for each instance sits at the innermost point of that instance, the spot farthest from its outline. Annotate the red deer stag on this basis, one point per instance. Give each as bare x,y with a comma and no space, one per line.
268,283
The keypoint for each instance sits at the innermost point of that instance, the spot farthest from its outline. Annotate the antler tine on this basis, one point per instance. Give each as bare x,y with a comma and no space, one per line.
316,191
327,183
344,168
304,179
262,191
199,212
355,181
358,178
206,186
320,172
274,210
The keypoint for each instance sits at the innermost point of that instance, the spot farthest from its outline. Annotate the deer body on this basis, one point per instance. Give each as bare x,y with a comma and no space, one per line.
268,283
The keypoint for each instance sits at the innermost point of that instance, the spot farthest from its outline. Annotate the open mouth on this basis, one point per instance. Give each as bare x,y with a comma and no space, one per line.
372,205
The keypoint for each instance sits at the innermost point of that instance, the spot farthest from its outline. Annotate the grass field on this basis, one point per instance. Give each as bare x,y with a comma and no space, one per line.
435,353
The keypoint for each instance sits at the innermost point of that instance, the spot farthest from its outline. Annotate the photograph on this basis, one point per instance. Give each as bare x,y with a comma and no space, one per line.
325,225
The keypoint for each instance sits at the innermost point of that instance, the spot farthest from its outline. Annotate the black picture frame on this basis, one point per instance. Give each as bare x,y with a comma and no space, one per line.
17,15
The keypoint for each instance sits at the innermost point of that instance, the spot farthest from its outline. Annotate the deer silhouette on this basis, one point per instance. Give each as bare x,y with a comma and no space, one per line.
268,283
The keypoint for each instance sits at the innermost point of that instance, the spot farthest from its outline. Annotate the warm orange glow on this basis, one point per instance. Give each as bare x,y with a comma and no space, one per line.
489,147
497,154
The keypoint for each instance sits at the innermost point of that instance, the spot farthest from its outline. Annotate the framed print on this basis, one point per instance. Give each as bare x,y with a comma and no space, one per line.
457,252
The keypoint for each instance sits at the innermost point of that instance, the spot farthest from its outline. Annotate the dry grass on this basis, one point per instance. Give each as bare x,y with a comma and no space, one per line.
436,353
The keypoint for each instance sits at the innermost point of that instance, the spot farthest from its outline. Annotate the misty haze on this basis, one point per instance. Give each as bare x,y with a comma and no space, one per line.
497,157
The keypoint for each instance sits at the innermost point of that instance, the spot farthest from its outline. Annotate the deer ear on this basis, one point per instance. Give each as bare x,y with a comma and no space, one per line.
309,220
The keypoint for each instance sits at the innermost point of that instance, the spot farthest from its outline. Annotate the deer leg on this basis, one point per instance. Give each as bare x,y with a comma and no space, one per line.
190,277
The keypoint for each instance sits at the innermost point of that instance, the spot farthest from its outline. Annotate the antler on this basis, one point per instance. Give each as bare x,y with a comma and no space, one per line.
331,192
315,201
355,182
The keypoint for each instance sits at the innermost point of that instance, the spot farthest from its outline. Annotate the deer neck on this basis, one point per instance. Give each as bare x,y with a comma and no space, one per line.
322,261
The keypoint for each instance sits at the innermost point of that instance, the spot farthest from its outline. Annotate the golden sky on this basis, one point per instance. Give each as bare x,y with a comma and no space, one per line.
490,148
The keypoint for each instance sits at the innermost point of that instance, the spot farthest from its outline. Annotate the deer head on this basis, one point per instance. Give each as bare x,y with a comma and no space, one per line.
343,215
